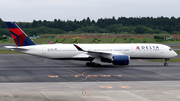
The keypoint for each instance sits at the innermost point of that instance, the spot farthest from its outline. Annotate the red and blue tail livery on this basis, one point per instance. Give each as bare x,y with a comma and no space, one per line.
50,42
20,38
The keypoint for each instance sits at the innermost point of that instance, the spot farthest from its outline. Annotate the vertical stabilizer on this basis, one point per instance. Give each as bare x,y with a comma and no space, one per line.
20,38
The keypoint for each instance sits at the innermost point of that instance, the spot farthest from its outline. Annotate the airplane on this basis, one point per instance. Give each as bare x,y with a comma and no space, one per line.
117,54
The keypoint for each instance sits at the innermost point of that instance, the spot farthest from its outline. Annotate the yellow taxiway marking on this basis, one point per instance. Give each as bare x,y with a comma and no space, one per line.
125,87
109,87
53,76
84,93
92,75
118,75
79,74
105,75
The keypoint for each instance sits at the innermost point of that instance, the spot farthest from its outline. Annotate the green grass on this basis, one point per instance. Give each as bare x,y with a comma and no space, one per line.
103,40
5,51
9,41
162,60
178,52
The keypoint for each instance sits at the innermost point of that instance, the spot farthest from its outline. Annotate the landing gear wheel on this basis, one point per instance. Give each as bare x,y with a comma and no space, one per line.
165,64
92,64
88,64
98,65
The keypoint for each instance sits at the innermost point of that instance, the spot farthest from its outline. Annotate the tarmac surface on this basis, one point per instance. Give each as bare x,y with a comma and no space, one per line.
173,44
29,78
2,45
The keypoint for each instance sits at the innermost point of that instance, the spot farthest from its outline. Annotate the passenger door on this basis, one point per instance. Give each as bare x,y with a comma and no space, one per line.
44,50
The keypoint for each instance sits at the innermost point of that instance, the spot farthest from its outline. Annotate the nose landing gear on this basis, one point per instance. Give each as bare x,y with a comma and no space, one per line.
166,64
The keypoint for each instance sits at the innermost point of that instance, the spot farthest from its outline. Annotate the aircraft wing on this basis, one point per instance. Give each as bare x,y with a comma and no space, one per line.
81,56
99,54
16,48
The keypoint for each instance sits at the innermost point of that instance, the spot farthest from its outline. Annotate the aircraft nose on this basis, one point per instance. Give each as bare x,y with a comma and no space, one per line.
175,54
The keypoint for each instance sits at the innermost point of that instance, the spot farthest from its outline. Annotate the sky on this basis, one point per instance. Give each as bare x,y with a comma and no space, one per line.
29,10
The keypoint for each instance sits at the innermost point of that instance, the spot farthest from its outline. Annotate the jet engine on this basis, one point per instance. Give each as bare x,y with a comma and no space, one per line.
121,60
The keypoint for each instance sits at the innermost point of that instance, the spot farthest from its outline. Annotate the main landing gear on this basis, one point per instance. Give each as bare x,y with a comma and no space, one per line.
166,64
93,64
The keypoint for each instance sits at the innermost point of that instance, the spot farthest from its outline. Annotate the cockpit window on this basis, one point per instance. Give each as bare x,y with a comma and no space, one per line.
170,49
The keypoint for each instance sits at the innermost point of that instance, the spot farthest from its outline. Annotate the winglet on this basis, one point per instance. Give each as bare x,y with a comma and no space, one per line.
79,48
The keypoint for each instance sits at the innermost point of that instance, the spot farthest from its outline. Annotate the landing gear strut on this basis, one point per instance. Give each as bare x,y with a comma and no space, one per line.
93,64
166,64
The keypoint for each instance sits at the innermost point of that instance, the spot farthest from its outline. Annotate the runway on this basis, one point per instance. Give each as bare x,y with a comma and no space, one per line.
30,78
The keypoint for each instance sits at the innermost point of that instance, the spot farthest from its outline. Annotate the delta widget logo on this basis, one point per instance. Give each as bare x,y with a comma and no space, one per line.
137,47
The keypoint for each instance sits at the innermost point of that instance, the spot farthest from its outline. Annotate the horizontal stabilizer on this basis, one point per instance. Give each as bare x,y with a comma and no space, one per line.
10,47
17,48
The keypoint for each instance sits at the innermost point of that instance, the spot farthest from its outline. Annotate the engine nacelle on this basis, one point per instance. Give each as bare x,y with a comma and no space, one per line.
121,60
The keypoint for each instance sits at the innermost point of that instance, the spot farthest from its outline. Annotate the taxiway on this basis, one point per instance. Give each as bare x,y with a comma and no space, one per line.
30,78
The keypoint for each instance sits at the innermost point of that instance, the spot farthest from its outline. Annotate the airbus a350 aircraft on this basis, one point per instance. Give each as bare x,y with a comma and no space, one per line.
117,54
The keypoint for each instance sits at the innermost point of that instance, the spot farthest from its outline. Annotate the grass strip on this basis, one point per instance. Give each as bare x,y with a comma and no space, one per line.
178,52
91,40
6,51
162,60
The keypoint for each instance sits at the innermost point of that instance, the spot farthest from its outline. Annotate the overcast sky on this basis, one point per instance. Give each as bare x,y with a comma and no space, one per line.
29,10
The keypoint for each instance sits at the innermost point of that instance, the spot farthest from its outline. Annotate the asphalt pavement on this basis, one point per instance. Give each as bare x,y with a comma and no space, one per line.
30,78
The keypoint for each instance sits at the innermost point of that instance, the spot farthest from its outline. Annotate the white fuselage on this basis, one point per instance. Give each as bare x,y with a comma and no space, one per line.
62,51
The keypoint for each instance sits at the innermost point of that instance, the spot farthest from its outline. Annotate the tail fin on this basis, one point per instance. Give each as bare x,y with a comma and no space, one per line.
20,38
50,42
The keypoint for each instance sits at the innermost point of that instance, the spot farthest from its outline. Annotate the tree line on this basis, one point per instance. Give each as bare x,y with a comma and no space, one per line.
121,25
